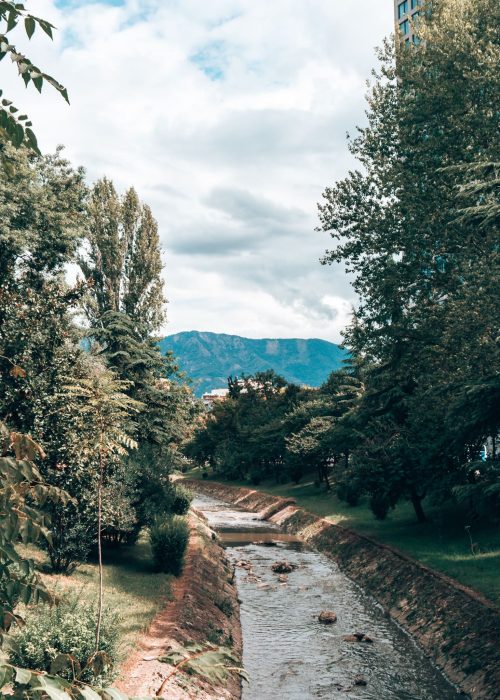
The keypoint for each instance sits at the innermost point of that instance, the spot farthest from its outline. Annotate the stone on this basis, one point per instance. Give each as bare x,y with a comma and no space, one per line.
244,564
283,567
360,680
327,617
358,637
282,578
267,543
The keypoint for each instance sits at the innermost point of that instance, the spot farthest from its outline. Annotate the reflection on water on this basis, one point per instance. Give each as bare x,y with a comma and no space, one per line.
286,650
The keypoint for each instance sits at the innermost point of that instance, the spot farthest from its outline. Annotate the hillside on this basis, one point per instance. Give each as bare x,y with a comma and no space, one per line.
210,358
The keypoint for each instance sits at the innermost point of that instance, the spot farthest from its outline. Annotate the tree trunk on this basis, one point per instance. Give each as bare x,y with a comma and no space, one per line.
99,549
417,504
325,473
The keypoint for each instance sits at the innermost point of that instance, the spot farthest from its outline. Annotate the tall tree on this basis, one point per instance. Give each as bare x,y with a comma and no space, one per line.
425,271
122,259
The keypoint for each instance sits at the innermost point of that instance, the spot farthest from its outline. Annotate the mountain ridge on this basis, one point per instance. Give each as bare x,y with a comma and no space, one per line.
209,358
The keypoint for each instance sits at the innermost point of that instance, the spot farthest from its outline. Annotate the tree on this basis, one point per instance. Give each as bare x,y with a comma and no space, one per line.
104,412
425,271
15,127
122,261
166,413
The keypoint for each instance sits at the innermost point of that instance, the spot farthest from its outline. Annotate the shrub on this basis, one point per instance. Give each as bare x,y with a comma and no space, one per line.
67,628
225,606
255,478
169,539
380,504
349,488
72,537
181,500
204,475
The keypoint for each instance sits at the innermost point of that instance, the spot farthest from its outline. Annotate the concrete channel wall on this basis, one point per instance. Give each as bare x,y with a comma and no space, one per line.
455,627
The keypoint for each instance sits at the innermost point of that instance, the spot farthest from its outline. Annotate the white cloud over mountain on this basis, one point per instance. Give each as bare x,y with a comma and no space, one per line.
229,117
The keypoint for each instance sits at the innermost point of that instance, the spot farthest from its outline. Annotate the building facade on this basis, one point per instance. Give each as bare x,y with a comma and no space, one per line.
406,14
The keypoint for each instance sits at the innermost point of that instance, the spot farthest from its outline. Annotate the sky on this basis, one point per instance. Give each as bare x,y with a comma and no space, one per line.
229,117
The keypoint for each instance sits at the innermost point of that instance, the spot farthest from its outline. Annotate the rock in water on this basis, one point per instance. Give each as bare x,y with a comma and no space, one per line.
327,617
360,680
283,567
358,637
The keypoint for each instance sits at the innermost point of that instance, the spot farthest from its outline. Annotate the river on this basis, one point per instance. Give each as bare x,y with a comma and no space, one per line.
287,652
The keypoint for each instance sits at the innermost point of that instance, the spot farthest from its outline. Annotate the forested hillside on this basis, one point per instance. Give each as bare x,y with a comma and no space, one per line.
210,358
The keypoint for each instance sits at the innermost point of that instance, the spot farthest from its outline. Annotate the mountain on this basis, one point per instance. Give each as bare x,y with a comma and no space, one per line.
210,358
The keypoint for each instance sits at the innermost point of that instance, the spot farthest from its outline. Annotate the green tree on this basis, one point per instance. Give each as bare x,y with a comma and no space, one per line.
104,413
122,261
406,225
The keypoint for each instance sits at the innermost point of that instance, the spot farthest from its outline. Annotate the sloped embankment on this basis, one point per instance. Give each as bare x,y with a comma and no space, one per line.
457,628
204,609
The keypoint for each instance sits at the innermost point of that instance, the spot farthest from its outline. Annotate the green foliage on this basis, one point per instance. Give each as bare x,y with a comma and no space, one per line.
17,127
481,494
225,605
181,498
214,663
22,493
123,259
72,536
68,628
417,225
169,537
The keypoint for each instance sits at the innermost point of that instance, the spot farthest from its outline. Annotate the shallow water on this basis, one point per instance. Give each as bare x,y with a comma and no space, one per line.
286,651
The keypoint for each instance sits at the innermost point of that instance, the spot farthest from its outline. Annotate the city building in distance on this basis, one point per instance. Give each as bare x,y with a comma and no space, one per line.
406,13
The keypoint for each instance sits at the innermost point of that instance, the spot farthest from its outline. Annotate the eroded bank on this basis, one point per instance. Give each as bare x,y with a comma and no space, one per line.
454,626
204,609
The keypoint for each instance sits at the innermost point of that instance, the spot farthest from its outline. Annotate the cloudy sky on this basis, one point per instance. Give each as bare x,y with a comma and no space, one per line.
229,117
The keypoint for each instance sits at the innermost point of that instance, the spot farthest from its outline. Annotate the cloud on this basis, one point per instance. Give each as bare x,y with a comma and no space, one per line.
229,118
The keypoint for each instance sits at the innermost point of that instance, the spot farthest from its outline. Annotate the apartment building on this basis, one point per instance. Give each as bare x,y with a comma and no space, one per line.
406,13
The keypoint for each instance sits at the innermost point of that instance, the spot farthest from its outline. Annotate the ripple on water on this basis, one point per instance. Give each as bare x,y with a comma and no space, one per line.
288,652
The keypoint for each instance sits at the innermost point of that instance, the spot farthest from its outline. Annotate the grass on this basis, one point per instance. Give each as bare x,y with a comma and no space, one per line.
131,586
442,543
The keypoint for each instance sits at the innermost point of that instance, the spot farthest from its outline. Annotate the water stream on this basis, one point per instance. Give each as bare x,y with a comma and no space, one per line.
286,651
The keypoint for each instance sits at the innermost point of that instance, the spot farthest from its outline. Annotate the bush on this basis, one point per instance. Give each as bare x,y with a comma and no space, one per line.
169,539
380,504
181,500
73,535
67,628
349,487
225,606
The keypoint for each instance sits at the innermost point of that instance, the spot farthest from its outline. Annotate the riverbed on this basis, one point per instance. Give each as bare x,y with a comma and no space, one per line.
286,650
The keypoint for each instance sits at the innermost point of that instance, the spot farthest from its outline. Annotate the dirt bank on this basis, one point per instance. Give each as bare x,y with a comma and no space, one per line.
455,626
204,608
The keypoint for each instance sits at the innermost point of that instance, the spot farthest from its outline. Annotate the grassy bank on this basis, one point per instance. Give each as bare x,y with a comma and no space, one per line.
441,543
131,587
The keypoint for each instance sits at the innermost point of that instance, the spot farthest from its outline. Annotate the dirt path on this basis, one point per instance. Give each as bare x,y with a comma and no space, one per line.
192,615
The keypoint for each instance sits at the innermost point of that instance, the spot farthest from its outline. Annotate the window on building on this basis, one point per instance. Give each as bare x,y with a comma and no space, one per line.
404,27
415,3
416,40
402,8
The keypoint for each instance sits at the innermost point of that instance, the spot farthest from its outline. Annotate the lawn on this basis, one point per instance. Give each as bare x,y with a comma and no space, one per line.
131,586
442,543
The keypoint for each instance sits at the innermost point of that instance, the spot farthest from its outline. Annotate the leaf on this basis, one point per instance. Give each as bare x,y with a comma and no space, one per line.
23,676
29,25
18,371
47,27
12,20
